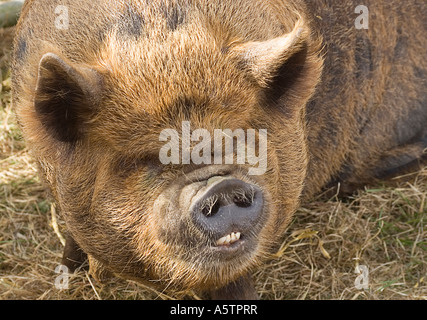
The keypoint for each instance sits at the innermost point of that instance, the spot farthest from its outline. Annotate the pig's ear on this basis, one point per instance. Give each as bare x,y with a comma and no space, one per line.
65,97
287,64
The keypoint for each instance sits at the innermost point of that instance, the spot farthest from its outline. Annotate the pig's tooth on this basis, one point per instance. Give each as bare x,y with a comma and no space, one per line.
221,241
228,239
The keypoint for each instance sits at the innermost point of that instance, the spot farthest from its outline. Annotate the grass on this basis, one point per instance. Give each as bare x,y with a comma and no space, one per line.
383,228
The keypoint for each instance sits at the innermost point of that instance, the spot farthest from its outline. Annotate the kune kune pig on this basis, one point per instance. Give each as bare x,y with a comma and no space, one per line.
178,137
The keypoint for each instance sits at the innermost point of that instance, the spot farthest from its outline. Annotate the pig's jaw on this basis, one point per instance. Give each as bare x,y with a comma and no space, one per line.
220,216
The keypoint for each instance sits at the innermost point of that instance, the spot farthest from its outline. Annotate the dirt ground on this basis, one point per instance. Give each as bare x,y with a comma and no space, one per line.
379,235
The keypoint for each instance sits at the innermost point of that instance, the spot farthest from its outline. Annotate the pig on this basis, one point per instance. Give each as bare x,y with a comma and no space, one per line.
96,84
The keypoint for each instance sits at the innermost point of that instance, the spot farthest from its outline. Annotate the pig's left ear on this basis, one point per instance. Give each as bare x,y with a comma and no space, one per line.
289,65
65,97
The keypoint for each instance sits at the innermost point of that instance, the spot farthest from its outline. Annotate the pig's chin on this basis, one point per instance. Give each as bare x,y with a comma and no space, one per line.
211,266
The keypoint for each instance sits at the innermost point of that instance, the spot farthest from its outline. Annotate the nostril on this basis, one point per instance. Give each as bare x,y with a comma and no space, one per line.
244,198
242,202
210,207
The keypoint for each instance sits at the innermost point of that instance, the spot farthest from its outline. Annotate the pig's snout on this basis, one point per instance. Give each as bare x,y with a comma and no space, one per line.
227,209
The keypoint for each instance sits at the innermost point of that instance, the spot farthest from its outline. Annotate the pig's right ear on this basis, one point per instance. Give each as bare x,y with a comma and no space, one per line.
65,97
287,67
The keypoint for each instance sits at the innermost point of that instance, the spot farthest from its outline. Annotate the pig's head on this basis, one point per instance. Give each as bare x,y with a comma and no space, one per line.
98,129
